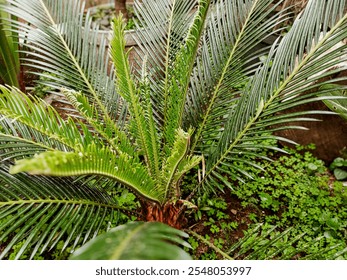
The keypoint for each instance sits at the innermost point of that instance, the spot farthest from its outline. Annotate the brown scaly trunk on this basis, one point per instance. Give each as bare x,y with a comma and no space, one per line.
120,7
171,213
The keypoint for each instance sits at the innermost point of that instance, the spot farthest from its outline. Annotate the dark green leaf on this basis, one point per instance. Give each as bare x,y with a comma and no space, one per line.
136,241
340,174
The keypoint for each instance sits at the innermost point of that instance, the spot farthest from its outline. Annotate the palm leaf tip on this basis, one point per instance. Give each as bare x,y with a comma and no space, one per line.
93,160
40,164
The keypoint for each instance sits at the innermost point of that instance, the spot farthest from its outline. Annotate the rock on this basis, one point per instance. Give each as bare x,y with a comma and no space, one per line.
105,22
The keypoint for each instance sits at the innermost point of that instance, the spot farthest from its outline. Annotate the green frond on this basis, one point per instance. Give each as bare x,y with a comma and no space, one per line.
222,65
337,105
179,78
30,121
124,82
302,58
264,242
159,37
15,147
108,130
153,135
38,212
142,124
93,160
172,169
185,165
136,241
56,36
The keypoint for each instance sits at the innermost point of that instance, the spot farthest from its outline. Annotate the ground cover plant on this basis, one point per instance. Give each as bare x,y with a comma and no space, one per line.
301,206
197,99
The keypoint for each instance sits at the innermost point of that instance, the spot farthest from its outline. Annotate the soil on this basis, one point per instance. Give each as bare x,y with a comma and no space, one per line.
330,140
236,212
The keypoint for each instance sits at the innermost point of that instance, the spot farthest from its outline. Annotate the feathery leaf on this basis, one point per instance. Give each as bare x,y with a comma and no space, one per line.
41,211
136,241
92,160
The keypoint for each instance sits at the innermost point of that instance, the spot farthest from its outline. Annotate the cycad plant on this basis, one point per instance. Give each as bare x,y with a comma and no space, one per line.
196,98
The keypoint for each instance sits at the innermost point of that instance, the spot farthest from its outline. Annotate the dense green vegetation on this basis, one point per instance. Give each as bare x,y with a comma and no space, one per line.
293,209
174,140
296,191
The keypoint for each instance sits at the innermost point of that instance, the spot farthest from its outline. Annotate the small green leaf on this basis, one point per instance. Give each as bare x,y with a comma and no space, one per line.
327,234
312,167
334,223
265,198
340,174
338,162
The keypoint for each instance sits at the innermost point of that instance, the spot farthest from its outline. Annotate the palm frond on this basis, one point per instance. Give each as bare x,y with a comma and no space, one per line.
93,160
227,57
56,35
173,168
36,124
9,57
297,65
38,212
269,243
266,242
162,25
338,106
180,74
187,163
143,129
136,241
106,129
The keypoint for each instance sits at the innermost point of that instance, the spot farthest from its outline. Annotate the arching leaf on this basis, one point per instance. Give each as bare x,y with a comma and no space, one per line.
93,160
38,212
136,241
288,78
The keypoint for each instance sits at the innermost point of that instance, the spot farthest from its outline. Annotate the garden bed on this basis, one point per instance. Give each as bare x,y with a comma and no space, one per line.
296,191
119,149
